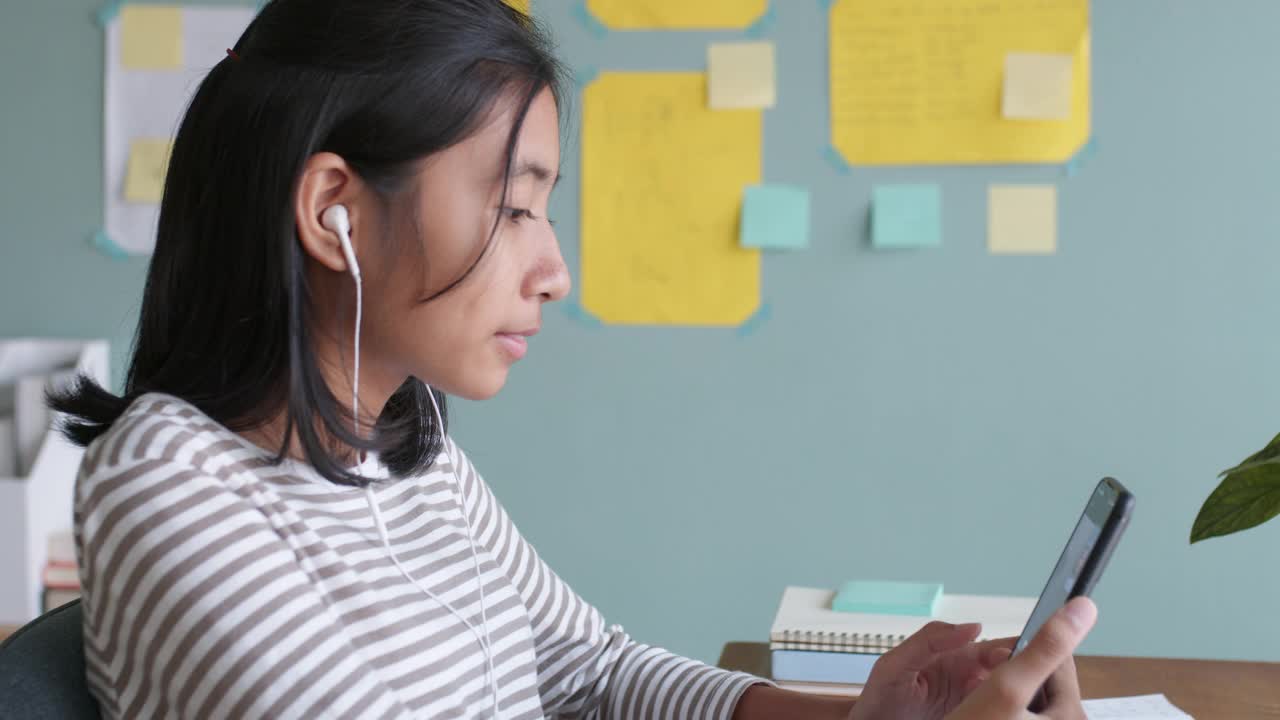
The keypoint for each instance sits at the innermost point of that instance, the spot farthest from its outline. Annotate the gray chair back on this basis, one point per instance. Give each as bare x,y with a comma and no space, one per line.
42,669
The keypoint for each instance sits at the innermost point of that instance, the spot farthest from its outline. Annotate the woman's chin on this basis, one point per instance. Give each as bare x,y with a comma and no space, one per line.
480,388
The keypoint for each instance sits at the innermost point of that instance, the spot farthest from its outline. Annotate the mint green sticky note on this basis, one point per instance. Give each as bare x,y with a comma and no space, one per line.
775,217
888,598
906,216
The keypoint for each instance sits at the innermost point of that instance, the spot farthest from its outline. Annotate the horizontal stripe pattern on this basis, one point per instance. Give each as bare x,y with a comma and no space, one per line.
218,584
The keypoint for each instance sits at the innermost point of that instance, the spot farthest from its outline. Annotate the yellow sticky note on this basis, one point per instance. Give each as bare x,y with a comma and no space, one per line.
521,5
740,75
151,37
1037,86
922,83
148,163
677,14
1022,219
662,183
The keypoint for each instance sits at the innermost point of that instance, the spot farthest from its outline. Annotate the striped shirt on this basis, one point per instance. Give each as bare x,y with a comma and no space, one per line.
218,584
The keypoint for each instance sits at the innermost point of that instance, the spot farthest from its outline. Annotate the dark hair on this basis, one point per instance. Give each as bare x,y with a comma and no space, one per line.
225,314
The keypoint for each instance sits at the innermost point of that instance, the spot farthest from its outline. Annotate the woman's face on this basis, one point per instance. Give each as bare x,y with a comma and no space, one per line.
465,341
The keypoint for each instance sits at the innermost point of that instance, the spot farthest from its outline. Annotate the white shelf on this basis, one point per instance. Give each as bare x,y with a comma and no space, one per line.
35,505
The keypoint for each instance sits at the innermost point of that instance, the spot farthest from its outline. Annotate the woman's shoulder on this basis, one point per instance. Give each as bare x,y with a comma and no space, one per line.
144,431
162,431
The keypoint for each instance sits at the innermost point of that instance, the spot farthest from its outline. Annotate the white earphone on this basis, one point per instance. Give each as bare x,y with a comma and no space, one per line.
336,219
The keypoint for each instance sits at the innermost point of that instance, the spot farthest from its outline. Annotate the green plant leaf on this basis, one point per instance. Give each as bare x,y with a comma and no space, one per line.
1246,497
1270,453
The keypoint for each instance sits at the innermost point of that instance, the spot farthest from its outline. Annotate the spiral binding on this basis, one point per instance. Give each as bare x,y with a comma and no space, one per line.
834,641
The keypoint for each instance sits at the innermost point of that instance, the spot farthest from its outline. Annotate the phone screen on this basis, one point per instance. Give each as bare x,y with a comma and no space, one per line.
1067,572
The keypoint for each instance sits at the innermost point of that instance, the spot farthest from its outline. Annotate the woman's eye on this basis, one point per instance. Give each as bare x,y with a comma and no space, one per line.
517,214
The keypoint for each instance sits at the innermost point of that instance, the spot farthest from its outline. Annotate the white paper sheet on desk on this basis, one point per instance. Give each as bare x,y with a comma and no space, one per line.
1139,707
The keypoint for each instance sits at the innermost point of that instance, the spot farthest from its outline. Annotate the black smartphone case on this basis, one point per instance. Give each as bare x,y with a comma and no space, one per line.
1108,539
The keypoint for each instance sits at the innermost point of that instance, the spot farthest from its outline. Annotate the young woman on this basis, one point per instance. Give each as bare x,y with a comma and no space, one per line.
272,520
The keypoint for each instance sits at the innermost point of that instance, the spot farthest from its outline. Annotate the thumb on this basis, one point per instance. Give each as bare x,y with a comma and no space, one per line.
1052,646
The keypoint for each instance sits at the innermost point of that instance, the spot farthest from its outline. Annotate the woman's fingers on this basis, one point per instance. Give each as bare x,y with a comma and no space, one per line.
1063,688
975,682
1008,643
918,651
993,657
1009,688
1051,648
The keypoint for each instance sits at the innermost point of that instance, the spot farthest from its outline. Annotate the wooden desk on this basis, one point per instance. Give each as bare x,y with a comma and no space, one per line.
6,631
1206,689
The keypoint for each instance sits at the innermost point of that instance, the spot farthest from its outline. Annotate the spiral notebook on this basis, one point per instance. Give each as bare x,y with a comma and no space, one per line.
805,621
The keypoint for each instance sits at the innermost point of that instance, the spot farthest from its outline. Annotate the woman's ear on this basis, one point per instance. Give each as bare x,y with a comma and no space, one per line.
326,180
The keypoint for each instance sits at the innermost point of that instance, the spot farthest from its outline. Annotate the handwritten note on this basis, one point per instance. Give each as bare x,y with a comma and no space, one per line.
677,14
148,164
151,37
1140,707
659,241
922,82
1037,86
740,75
1022,219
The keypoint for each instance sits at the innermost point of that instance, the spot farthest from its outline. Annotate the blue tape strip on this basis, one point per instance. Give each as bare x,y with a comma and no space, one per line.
103,243
581,315
757,319
1084,153
588,20
585,76
836,160
763,24
108,12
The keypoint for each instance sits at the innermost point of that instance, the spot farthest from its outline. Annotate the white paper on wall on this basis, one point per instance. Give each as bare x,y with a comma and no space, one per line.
145,104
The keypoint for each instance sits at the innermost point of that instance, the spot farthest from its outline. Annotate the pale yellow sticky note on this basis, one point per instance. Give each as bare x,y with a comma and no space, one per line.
521,5
151,37
1022,219
148,163
677,14
1037,86
662,183
921,83
740,75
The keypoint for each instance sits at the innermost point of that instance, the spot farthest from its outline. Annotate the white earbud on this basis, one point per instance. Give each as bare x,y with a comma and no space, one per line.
335,218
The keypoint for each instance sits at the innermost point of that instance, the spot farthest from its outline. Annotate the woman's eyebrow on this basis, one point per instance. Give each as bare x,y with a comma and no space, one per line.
540,172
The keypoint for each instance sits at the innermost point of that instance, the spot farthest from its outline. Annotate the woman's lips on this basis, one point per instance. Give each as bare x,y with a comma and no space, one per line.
515,344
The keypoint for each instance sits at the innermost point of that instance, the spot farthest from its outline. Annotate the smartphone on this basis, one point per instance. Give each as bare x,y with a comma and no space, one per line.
1097,533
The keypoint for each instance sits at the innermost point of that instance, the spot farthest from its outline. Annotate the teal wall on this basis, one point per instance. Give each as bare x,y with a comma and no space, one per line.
937,415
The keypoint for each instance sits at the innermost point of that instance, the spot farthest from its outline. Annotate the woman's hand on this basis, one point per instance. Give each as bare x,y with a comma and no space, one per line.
940,670
1047,658
929,674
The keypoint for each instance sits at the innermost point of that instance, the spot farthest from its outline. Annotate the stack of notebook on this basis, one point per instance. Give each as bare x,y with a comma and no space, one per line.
818,648
61,576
